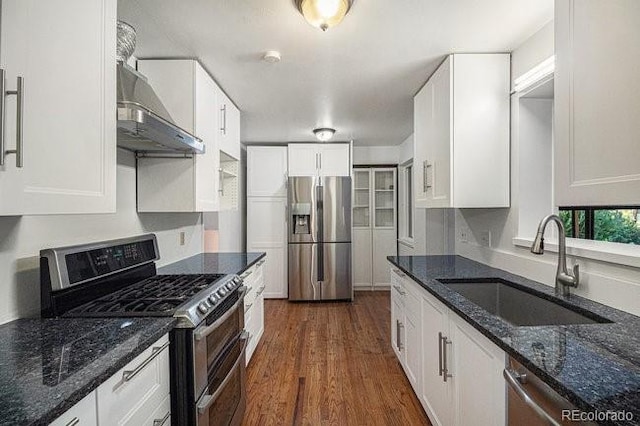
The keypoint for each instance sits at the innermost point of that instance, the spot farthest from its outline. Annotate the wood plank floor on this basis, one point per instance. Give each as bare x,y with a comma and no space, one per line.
329,364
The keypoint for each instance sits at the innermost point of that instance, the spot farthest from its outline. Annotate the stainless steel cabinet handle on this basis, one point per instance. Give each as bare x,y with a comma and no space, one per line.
200,334
260,263
398,334
320,157
513,380
130,374
249,289
399,272
399,290
19,93
75,421
160,422
426,176
401,346
261,290
247,307
245,274
445,368
223,110
206,400
440,354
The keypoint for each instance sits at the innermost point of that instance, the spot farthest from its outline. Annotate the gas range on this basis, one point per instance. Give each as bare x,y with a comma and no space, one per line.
207,348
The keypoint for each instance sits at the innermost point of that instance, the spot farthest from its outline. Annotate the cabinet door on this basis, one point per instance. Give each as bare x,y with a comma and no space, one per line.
384,244
596,130
361,198
335,160
69,114
436,395
422,117
303,159
397,326
439,139
384,198
476,366
229,132
413,335
362,257
84,413
267,171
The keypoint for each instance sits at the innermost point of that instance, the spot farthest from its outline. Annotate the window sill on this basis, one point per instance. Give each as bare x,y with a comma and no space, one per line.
407,242
621,254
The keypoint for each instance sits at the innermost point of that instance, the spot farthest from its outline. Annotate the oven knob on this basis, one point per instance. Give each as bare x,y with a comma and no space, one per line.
213,299
230,286
203,308
222,292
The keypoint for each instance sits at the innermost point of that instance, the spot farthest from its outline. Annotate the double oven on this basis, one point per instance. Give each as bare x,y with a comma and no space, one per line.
214,352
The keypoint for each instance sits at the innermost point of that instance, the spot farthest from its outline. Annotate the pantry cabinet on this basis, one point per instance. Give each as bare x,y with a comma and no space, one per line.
596,129
205,182
455,371
320,159
461,133
62,120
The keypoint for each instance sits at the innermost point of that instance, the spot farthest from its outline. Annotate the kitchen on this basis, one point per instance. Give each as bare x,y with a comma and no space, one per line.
430,140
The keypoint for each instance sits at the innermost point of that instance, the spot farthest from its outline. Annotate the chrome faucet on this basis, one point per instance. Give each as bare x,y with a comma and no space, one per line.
564,278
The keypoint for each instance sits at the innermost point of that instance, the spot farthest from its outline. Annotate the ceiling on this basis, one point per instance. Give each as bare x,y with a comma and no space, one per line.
359,77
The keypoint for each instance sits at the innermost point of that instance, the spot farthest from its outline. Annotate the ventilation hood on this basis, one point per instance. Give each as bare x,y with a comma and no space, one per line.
144,124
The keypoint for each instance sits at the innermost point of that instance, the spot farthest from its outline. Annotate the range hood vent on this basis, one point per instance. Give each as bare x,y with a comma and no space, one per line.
144,124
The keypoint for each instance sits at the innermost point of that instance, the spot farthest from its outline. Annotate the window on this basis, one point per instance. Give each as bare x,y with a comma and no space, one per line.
616,225
406,202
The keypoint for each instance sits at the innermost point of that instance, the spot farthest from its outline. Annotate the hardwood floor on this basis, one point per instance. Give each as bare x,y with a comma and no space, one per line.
329,364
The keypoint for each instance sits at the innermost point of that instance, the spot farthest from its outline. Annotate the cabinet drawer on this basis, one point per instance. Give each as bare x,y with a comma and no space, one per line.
133,394
82,414
161,415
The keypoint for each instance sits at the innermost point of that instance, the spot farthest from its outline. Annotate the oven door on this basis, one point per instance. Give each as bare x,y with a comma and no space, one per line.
225,398
212,339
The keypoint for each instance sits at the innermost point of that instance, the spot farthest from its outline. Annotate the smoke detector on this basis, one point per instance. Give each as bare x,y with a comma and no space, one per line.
271,57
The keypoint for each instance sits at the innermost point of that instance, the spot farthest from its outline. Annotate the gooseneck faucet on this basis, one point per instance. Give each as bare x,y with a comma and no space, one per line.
564,278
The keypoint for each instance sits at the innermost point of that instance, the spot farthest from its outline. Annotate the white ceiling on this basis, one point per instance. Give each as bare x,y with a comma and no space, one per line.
358,77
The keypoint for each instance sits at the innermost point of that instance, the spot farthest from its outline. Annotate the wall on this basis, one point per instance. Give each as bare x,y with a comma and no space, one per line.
607,283
21,239
534,50
371,155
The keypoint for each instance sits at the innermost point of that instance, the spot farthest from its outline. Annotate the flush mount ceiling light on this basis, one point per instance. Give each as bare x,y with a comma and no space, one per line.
324,134
324,14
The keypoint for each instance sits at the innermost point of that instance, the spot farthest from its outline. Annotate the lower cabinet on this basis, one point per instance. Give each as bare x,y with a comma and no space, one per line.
254,279
455,370
137,395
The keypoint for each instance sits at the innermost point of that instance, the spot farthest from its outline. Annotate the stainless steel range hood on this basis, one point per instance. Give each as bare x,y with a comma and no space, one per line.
144,124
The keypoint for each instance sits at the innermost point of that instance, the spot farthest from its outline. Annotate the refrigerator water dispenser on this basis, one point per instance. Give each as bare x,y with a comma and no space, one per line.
301,218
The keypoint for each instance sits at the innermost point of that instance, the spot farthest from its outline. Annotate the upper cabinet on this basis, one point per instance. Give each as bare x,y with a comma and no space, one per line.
229,130
319,159
203,182
461,131
59,144
267,171
597,131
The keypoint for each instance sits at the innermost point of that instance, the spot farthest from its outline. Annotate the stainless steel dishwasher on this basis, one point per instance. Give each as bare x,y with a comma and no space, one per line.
531,402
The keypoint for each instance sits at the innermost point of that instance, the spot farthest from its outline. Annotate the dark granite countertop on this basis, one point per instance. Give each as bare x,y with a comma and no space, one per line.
48,365
213,263
595,366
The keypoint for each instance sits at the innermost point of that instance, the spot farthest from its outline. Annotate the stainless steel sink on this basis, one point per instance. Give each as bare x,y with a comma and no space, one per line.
517,306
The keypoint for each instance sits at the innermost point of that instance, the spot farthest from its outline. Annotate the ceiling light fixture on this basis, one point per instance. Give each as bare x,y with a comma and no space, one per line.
271,57
324,134
324,14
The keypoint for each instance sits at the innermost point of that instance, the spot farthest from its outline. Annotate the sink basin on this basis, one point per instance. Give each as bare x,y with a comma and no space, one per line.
517,306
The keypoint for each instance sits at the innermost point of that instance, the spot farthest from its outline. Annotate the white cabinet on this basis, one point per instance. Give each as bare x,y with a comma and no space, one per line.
455,370
596,129
68,140
321,159
374,232
82,414
267,213
229,126
268,166
461,119
137,392
183,184
254,279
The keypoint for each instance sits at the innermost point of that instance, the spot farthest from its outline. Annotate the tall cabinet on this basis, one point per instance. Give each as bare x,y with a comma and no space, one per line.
374,225
266,213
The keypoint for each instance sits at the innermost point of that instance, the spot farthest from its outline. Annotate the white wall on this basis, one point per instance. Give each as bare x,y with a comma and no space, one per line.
611,284
371,155
534,50
21,239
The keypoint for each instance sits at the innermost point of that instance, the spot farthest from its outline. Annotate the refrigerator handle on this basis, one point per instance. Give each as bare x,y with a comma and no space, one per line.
320,219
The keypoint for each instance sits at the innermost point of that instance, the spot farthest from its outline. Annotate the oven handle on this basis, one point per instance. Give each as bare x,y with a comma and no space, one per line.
201,334
206,400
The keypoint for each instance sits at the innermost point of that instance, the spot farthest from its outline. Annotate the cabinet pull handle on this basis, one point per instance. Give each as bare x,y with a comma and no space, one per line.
439,353
160,422
399,290
426,175
320,157
245,274
223,110
401,346
513,380
130,374
260,263
398,334
261,290
75,421
19,93
399,272
445,368
247,307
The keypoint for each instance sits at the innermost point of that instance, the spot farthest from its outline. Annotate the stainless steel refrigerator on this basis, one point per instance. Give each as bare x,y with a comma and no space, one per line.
320,238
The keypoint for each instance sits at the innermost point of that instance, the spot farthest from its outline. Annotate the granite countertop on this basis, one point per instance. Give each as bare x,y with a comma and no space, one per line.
48,365
213,263
595,366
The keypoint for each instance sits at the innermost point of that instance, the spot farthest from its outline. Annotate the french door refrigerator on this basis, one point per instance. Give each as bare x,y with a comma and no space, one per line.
319,238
